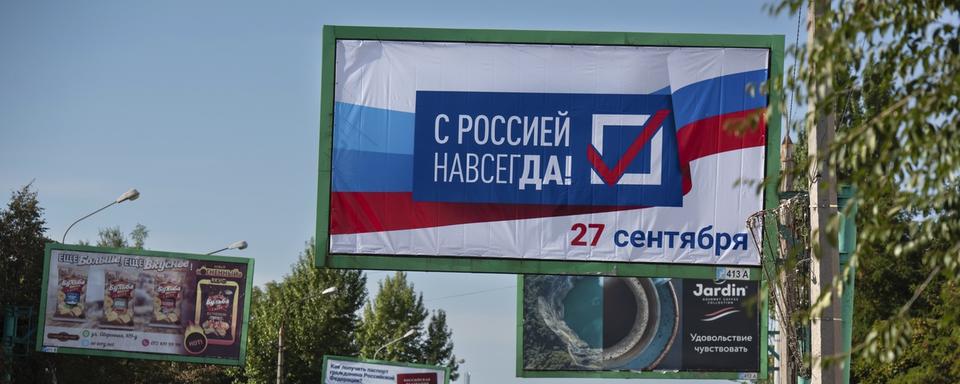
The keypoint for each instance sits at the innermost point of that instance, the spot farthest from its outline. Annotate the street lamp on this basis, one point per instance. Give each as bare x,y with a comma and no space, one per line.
130,195
466,374
236,245
405,335
283,321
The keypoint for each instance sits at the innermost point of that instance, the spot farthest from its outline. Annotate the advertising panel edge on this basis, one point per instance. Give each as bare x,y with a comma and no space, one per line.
332,33
52,246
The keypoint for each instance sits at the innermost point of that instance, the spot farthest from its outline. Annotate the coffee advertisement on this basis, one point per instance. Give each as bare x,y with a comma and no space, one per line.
594,323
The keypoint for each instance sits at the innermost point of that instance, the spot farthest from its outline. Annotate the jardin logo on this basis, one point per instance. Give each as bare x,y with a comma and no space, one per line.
727,290
719,293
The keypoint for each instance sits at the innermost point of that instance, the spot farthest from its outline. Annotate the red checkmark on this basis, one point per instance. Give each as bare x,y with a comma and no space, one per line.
611,176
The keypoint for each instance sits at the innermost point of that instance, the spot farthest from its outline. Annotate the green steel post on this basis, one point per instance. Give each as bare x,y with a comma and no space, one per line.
9,330
805,344
847,245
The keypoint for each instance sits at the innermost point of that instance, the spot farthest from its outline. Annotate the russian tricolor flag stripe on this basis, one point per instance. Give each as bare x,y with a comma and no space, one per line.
373,147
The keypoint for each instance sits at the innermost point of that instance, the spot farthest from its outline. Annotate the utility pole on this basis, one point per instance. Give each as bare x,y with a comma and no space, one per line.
280,351
825,326
788,370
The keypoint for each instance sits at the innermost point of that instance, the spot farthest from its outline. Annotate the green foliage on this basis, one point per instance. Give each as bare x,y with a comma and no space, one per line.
438,346
930,355
21,267
21,248
397,309
139,235
888,72
113,237
314,324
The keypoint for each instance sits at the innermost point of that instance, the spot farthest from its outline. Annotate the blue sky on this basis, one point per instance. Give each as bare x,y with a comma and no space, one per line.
211,110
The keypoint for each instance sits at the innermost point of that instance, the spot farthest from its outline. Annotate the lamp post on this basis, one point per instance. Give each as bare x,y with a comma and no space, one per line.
466,374
130,195
405,335
283,321
235,245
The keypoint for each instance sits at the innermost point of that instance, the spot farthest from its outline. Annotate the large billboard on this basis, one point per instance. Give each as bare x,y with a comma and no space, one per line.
351,370
592,326
441,147
144,304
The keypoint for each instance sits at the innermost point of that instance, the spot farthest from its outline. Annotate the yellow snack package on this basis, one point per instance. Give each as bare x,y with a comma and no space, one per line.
71,294
167,296
118,289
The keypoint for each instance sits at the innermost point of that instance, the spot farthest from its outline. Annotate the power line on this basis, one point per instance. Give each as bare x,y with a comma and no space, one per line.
471,293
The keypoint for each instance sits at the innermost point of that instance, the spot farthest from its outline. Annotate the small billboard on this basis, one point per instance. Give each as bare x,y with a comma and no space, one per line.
144,304
594,326
351,370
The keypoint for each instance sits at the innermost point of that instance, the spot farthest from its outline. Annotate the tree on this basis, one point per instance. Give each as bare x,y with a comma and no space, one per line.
902,157
397,309
22,240
314,324
438,346
139,235
113,237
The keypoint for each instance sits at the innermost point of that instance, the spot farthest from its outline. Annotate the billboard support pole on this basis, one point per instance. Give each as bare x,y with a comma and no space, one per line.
824,265
847,245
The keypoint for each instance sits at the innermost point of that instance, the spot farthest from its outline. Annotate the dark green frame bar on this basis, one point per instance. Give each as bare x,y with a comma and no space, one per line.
332,33
145,355
323,377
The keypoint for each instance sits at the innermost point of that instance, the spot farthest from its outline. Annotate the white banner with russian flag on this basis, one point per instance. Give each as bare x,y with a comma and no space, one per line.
556,152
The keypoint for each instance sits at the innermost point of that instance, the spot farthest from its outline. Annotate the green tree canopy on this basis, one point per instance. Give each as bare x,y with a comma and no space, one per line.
314,324
438,346
22,239
397,309
888,71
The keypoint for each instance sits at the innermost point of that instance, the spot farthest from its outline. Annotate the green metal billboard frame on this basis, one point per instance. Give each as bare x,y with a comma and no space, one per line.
323,258
146,355
323,377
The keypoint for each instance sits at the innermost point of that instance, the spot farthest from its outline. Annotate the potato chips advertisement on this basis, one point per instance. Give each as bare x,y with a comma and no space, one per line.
145,304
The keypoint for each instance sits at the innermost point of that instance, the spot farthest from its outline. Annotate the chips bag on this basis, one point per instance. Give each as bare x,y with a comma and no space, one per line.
71,293
167,295
217,310
118,292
